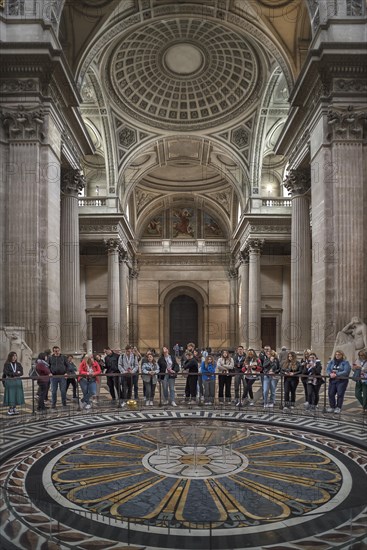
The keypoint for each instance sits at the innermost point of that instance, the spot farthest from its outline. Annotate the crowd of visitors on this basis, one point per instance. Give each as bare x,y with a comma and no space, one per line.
234,374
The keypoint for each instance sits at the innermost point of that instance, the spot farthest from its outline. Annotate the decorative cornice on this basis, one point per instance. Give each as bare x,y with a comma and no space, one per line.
11,85
96,228
24,125
346,124
72,182
298,181
270,228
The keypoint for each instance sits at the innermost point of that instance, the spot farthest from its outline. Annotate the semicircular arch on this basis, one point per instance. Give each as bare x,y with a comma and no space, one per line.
193,291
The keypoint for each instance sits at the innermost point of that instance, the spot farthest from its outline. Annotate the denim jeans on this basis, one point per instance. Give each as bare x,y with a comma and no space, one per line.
337,390
58,383
168,386
88,388
269,382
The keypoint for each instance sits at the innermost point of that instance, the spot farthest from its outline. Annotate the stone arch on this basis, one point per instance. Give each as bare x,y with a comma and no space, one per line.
234,171
199,295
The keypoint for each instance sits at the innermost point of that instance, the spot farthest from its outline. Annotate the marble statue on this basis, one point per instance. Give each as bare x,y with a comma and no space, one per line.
352,339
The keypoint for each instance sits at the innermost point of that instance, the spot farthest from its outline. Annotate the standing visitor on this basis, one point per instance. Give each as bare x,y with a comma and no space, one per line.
43,380
168,369
207,371
149,369
13,394
360,376
59,368
88,370
338,369
225,367
291,371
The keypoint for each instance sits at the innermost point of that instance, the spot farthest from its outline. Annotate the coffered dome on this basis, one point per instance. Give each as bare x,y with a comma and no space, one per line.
183,73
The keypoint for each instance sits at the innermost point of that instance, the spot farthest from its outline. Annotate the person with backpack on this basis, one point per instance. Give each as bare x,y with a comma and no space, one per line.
43,373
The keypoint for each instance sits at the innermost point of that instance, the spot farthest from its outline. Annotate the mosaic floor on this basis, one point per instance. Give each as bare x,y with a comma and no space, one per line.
183,479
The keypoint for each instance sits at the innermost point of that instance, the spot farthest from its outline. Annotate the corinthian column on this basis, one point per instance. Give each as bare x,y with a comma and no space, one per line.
124,277
298,184
72,182
113,293
233,284
254,247
243,273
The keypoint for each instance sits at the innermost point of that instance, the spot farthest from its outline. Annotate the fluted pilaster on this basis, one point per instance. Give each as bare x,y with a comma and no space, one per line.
72,182
243,273
298,183
113,293
254,247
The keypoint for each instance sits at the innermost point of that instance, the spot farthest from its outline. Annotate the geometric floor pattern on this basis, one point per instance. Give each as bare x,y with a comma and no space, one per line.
184,479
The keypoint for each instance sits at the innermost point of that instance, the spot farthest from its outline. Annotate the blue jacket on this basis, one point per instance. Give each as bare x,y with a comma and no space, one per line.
342,370
207,371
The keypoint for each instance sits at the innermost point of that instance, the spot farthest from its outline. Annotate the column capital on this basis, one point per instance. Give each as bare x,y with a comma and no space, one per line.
24,124
112,245
232,271
298,181
123,254
254,246
72,181
346,124
243,258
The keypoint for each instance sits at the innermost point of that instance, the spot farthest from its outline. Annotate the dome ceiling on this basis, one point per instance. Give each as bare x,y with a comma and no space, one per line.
183,73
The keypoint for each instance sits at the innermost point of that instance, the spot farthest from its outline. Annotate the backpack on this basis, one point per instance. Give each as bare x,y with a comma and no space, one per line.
33,373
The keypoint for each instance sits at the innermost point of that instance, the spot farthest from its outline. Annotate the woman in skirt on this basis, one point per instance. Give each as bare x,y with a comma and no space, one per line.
13,394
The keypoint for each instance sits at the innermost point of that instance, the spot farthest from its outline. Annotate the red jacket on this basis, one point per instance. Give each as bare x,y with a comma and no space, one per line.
84,372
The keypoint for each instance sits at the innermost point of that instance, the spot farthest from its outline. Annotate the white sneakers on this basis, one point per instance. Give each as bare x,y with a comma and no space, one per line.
122,404
337,410
329,410
174,404
88,406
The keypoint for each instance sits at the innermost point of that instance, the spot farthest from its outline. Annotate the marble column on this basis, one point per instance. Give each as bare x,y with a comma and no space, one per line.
72,182
286,307
254,247
243,273
298,184
124,278
113,293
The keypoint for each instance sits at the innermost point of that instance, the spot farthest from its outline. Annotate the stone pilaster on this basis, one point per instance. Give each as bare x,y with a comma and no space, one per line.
254,247
113,293
298,183
124,278
243,273
22,251
347,133
72,182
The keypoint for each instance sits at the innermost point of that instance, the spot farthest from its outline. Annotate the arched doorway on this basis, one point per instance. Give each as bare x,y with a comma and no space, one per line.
183,320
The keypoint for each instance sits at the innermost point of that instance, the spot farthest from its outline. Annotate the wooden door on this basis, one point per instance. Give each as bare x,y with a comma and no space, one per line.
183,321
99,334
269,332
